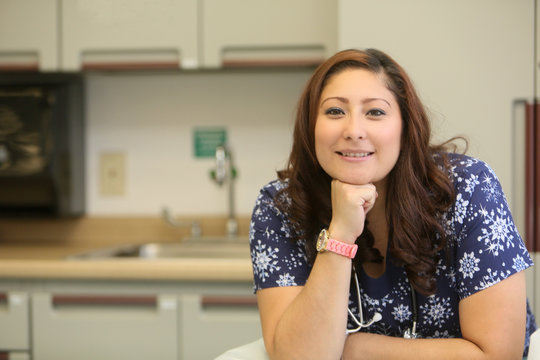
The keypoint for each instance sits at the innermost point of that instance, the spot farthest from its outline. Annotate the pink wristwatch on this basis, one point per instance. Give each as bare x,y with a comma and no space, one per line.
325,243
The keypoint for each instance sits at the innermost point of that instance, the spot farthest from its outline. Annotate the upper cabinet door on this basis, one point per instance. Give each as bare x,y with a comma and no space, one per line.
129,34
267,33
28,35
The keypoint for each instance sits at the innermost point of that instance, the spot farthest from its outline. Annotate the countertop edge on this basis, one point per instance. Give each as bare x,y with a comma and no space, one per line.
194,269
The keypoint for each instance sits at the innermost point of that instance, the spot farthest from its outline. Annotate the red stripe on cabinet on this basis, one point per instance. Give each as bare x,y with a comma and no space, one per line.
103,300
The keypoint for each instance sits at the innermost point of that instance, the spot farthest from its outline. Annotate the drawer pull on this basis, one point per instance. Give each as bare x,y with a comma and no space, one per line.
103,300
233,301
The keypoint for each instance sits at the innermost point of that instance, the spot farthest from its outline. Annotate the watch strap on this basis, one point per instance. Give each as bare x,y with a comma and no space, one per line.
341,248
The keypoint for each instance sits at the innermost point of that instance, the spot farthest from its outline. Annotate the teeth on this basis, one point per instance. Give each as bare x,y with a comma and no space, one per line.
356,154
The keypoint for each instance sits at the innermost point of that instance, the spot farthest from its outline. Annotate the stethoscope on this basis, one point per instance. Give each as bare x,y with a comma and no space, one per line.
410,333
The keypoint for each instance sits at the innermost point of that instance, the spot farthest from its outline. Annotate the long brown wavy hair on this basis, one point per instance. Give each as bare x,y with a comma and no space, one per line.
419,187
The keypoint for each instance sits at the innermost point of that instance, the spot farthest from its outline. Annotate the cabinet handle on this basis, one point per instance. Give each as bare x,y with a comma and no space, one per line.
130,66
103,300
19,61
532,175
130,60
234,57
233,301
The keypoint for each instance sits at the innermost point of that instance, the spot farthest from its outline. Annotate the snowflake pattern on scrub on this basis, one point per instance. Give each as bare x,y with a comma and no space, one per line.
484,247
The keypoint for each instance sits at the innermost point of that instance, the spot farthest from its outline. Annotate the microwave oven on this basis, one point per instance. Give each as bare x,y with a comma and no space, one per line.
41,145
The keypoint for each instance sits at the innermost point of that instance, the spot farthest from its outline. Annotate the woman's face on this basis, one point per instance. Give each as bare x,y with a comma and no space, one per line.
358,128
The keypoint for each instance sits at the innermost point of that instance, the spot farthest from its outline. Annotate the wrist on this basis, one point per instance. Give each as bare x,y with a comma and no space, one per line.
340,235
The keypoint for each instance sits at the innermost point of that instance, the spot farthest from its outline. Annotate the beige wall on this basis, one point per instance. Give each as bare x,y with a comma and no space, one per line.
150,118
469,60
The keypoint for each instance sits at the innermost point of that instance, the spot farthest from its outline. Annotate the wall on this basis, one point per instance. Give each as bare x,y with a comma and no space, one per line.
468,59
150,118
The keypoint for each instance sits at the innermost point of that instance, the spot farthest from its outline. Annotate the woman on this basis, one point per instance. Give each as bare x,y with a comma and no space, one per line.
369,211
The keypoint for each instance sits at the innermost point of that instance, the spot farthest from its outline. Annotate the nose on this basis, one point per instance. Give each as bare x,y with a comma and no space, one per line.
355,128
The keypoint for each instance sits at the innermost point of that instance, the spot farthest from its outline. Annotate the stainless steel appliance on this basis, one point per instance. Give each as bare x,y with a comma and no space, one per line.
41,145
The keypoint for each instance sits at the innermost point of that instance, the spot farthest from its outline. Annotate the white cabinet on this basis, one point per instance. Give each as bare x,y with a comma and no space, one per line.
14,325
129,34
104,327
279,32
29,35
74,35
224,321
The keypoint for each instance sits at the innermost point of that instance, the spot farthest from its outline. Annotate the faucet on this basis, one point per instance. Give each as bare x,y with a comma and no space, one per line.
225,172
195,225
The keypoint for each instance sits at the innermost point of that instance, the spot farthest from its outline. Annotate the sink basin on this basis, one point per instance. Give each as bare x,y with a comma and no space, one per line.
215,248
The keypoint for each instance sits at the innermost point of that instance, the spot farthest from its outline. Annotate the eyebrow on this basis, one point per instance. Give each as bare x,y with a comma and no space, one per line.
346,101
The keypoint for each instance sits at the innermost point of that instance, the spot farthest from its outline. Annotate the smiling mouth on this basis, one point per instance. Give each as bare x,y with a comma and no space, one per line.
355,154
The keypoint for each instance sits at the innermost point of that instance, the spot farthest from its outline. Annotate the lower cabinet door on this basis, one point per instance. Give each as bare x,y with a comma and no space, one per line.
15,355
14,322
104,327
210,325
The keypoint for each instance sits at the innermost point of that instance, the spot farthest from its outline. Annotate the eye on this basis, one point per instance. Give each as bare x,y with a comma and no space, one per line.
334,112
375,113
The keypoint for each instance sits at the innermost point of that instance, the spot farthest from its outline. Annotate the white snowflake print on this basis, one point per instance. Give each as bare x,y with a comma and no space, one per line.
482,247
519,263
499,233
471,183
376,305
286,280
461,208
269,232
451,276
440,334
402,313
490,188
468,265
286,231
264,260
295,260
437,310
491,278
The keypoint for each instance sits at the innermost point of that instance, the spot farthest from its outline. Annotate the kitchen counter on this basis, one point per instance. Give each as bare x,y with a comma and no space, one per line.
49,262
55,303
38,249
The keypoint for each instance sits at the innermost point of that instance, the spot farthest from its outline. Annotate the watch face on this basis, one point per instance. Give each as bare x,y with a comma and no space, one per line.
321,241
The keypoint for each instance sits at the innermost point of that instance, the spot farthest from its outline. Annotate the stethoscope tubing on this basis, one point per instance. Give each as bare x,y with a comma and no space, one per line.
409,333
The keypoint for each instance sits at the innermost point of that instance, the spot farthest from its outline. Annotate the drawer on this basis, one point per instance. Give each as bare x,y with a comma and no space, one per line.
104,326
224,321
14,321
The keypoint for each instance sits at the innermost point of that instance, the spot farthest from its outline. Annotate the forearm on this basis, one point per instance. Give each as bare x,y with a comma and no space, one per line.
373,346
313,326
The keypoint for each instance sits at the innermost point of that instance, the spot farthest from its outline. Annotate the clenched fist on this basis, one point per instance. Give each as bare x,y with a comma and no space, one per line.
350,205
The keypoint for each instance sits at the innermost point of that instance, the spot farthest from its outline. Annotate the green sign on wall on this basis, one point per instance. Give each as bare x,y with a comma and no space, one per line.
205,141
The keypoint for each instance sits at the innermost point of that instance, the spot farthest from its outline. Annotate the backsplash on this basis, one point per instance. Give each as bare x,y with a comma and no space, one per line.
150,118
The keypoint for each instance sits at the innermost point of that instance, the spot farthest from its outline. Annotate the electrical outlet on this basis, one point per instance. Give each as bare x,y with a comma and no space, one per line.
112,177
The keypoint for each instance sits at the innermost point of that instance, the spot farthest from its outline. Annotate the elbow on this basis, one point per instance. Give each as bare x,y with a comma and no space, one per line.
287,349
